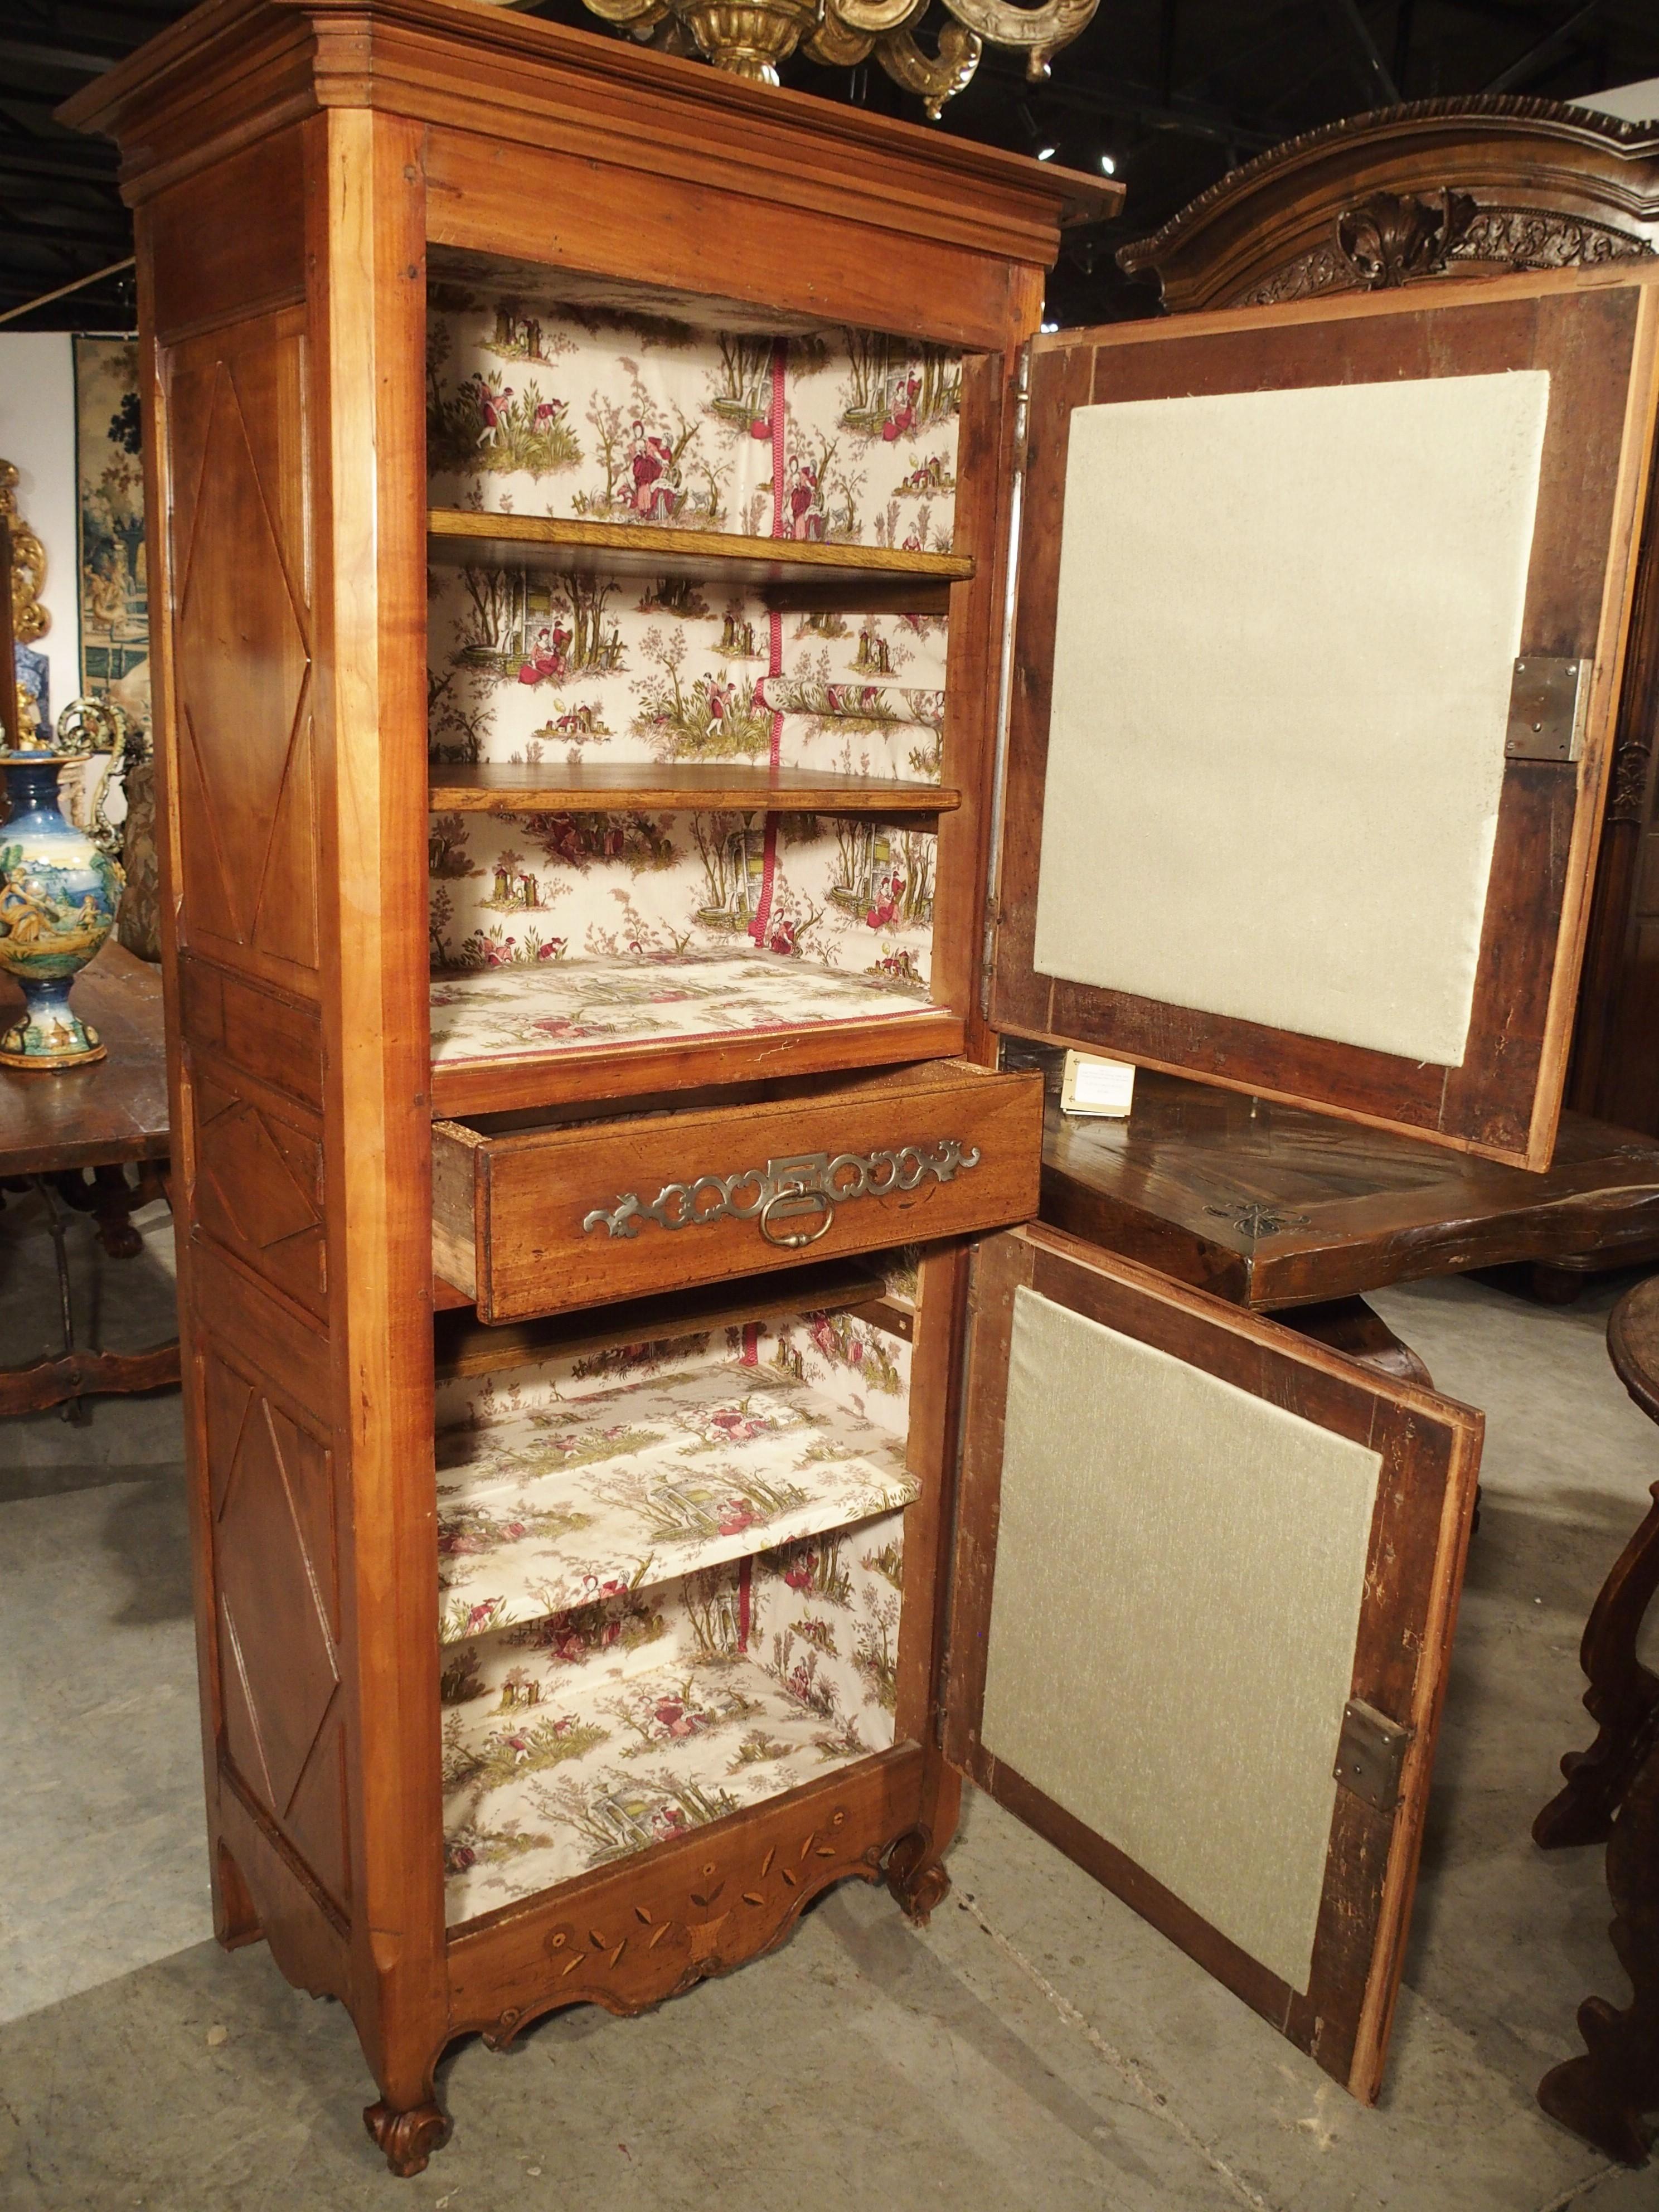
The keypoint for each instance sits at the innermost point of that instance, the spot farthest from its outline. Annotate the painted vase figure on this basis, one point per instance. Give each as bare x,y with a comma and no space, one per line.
57,898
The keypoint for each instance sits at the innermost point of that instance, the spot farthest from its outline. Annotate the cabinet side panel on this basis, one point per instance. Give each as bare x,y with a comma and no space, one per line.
232,570
287,554
243,648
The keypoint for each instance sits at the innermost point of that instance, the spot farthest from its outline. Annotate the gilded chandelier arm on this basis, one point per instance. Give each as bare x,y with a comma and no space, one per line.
936,81
836,47
1039,30
636,16
874,17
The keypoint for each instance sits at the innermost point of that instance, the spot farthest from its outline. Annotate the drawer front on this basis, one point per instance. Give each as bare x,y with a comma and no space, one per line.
550,1221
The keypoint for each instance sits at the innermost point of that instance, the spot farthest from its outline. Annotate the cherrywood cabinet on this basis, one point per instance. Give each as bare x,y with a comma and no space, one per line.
561,1649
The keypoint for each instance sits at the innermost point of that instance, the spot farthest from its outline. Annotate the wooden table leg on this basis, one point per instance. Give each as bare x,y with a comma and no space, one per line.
77,1375
1623,1699
1605,2094
85,1375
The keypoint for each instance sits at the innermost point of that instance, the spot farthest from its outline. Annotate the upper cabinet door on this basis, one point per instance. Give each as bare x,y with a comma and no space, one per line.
1206,1574
1321,616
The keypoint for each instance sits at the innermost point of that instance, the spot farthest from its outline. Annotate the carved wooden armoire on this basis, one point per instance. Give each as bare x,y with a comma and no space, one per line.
662,670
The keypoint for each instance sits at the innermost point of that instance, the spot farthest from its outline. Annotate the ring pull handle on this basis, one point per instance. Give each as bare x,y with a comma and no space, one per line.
789,1206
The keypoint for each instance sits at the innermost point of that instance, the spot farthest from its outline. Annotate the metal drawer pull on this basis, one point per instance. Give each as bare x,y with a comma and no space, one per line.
807,1183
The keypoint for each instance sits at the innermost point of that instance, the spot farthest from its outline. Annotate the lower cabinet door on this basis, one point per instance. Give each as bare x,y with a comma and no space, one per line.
550,1220
1205,1580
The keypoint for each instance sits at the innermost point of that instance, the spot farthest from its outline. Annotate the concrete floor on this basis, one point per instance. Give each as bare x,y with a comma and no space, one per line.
1037,2047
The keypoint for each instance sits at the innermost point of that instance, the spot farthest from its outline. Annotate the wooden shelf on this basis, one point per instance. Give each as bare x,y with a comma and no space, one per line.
621,1071
526,1508
554,787
643,549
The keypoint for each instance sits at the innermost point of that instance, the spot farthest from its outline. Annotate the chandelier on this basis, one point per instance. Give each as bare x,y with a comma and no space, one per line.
751,37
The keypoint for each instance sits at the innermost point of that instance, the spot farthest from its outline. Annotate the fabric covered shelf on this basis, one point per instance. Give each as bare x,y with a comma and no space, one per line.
576,1741
640,1485
677,1018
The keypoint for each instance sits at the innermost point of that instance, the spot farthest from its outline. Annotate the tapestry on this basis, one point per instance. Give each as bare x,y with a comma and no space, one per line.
114,599
110,507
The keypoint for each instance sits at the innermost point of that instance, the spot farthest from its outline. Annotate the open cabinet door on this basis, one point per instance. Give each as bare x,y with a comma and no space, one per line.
1205,1578
1321,615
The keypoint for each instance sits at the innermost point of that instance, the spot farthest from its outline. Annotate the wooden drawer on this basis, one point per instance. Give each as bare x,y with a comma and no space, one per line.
546,1220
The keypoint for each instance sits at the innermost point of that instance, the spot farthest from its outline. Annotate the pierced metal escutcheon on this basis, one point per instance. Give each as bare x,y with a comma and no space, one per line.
1547,710
805,1188
1370,1754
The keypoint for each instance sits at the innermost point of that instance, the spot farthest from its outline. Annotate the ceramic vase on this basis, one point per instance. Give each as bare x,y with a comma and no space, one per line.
57,898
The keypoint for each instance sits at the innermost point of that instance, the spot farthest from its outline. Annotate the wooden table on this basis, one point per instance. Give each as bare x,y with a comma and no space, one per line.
1612,1792
100,1117
1272,1206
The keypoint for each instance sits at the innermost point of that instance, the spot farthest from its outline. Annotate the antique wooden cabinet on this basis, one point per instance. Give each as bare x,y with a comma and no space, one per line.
642,1451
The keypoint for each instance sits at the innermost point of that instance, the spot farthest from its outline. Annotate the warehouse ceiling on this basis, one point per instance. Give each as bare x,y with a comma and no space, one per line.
1173,93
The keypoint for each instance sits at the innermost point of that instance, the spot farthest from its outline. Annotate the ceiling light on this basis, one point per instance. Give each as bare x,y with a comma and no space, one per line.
1049,327
1047,153
1108,164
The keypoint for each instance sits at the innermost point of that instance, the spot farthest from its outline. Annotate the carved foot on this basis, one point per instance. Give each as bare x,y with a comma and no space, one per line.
915,1877
1603,2095
408,2139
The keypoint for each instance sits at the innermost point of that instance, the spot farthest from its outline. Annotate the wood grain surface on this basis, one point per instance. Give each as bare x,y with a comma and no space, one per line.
508,1212
615,788
1270,1206
645,549
114,1110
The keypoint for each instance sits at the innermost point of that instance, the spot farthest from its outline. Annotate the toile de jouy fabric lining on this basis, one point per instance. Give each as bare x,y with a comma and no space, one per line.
681,1471
556,409
655,1705
572,1742
505,1014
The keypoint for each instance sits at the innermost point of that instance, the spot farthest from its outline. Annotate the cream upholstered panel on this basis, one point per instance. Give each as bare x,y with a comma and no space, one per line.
1286,626
1179,1573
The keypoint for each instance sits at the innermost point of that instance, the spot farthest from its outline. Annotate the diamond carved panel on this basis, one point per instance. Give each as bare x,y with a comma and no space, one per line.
275,1576
243,662
258,1192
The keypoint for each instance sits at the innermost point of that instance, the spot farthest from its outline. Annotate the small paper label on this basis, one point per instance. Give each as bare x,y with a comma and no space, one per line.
1092,1085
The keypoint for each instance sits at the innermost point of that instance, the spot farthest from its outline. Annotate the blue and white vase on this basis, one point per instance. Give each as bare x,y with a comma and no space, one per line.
57,898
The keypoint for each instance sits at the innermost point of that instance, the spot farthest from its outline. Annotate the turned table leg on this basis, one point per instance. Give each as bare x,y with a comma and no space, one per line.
1612,1791
1605,2094
1622,1698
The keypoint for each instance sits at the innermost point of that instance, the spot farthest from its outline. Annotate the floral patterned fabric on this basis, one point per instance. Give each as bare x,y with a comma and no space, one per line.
839,436
839,1355
638,1484
572,1742
557,408
509,1013
577,1736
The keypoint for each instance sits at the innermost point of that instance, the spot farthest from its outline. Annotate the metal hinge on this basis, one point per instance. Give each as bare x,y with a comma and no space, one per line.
1370,1754
1547,710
